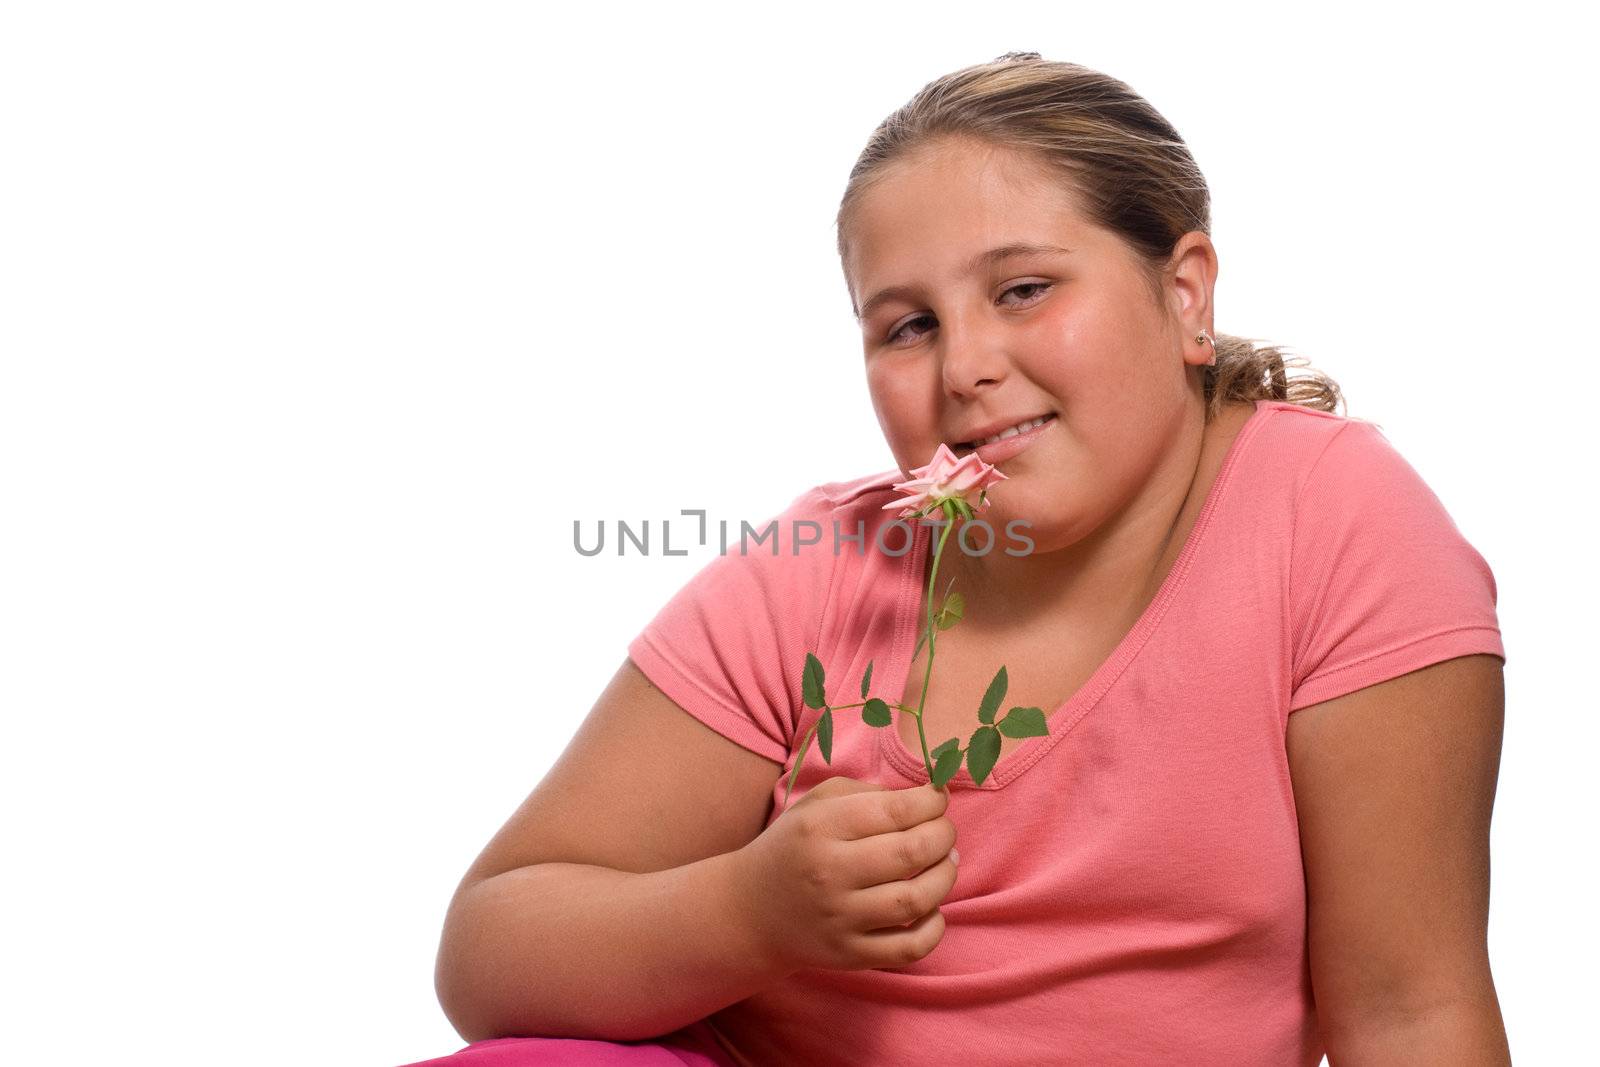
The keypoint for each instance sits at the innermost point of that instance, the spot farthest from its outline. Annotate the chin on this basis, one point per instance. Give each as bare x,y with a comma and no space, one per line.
1044,525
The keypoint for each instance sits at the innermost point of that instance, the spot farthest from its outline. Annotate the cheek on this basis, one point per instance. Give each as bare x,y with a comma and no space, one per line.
898,399
1065,349
908,422
1090,360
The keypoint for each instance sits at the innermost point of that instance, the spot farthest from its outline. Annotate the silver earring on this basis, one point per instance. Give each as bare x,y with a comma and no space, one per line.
1205,338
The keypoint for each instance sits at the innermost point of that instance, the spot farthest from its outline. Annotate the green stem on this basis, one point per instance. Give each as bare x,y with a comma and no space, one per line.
927,673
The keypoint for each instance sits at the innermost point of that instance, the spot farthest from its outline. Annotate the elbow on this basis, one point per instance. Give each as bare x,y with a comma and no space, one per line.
1469,1031
452,986
459,1011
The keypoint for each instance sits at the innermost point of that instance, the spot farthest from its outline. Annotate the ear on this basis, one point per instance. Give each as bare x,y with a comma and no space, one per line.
1189,281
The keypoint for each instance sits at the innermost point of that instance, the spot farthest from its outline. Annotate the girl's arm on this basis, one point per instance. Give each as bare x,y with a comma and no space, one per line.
1394,784
574,950
607,906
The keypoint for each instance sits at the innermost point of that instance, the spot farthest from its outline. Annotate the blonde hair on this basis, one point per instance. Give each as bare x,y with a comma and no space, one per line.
1126,166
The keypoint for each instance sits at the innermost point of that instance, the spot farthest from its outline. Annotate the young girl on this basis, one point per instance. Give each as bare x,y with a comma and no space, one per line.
1257,829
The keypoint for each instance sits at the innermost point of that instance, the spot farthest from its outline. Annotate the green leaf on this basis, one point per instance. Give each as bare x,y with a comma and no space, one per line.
946,766
951,612
866,680
983,751
876,713
814,682
991,700
921,640
1024,722
825,735
952,743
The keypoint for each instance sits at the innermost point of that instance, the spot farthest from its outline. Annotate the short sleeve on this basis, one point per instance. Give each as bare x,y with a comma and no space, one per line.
729,647
1381,581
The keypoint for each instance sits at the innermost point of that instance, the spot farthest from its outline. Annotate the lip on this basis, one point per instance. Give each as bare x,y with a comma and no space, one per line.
999,451
995,427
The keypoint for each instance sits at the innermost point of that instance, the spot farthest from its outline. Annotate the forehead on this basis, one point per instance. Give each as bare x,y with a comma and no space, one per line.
931,212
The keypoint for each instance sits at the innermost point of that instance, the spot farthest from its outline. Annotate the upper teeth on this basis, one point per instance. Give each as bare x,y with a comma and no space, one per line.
1013,431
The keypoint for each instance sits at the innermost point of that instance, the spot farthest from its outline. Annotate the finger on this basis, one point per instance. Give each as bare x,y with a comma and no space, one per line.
894,904
902,946
884,812
840,785
884,859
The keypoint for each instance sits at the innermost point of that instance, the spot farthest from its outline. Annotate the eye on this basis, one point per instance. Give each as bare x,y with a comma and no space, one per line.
891,339
1026,302
1028,285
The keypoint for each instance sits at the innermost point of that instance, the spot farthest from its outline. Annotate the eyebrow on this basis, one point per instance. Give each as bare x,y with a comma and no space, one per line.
977,263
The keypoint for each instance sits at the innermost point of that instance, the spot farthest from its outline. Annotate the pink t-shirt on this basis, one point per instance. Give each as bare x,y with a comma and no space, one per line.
1131,889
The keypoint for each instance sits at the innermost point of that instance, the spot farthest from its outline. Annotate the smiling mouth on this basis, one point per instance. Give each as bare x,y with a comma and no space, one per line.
970,446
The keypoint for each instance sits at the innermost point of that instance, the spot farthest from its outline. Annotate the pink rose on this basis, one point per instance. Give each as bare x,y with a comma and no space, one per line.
946,478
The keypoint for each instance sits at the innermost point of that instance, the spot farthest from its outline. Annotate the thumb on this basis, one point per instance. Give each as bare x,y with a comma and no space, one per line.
840,785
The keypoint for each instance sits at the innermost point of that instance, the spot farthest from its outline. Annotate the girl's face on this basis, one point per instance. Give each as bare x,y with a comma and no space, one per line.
966,333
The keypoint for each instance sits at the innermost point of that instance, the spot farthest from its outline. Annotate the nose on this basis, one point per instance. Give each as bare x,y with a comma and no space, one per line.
972,360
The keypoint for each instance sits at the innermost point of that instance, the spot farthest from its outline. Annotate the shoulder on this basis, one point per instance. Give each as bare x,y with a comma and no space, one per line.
1303,434
1345,481
1321,456
835,539
802,542
860,496
845,508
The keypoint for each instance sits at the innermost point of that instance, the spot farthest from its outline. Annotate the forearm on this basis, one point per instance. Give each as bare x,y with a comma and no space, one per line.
572,950
1463,1035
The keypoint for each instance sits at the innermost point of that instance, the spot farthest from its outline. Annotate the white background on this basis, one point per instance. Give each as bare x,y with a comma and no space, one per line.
322,322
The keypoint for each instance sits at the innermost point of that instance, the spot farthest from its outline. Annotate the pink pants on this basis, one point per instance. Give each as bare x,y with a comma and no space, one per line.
694,1046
